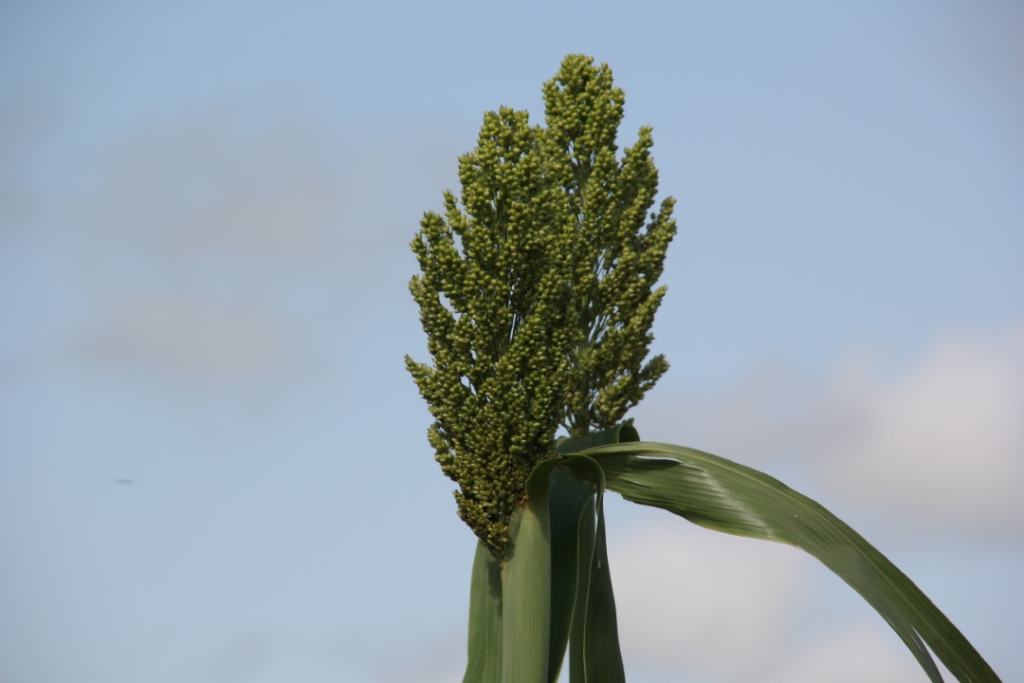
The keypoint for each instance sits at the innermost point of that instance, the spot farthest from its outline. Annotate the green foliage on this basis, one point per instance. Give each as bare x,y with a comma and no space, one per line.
567,561
537,292
725,496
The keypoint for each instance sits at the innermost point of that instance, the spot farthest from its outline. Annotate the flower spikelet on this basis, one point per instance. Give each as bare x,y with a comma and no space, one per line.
537,292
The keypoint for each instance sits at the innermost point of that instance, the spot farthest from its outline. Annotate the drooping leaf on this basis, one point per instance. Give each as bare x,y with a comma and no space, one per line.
571,514
729,497
594,653
597,646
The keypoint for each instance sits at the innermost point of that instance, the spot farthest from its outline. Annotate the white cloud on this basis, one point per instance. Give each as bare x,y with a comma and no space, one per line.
233,247
268,186
687,597
857,652
442,659
216,183
941,443
945,440
190,342
709,607
26,117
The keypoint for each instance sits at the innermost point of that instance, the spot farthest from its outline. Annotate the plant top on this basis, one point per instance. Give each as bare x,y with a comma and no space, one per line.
537,291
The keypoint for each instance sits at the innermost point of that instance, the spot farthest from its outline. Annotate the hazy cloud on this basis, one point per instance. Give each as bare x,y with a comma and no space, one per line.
243,658
940,442
226,248
190,342
213,183
26,118
857,651
720,608
988,36
944,440
690,598
273,189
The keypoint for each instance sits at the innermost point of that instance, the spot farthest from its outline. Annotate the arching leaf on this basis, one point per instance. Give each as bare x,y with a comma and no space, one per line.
726,496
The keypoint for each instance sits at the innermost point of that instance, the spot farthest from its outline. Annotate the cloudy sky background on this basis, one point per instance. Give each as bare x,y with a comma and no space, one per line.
205,209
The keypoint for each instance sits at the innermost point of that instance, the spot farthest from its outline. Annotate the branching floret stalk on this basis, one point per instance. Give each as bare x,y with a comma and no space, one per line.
537,291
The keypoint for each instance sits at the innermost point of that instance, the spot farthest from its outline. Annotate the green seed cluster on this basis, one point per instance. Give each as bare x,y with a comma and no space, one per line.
537,293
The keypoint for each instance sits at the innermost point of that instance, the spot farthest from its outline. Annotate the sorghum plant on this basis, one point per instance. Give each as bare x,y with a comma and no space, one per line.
537,295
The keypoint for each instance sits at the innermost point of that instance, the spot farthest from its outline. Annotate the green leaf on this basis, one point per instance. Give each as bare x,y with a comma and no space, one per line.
594,653
557,528
571,514
621,433
484,619
585,548
728,497
526,587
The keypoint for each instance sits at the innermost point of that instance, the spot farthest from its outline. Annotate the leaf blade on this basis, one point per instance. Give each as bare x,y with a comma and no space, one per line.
594,652
571,511
484,665
732,498
601,654
526,590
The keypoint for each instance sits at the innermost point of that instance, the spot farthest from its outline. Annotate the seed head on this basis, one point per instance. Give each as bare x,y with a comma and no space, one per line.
536,291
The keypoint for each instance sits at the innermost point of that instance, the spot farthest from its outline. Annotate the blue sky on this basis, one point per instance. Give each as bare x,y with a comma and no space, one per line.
205,211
